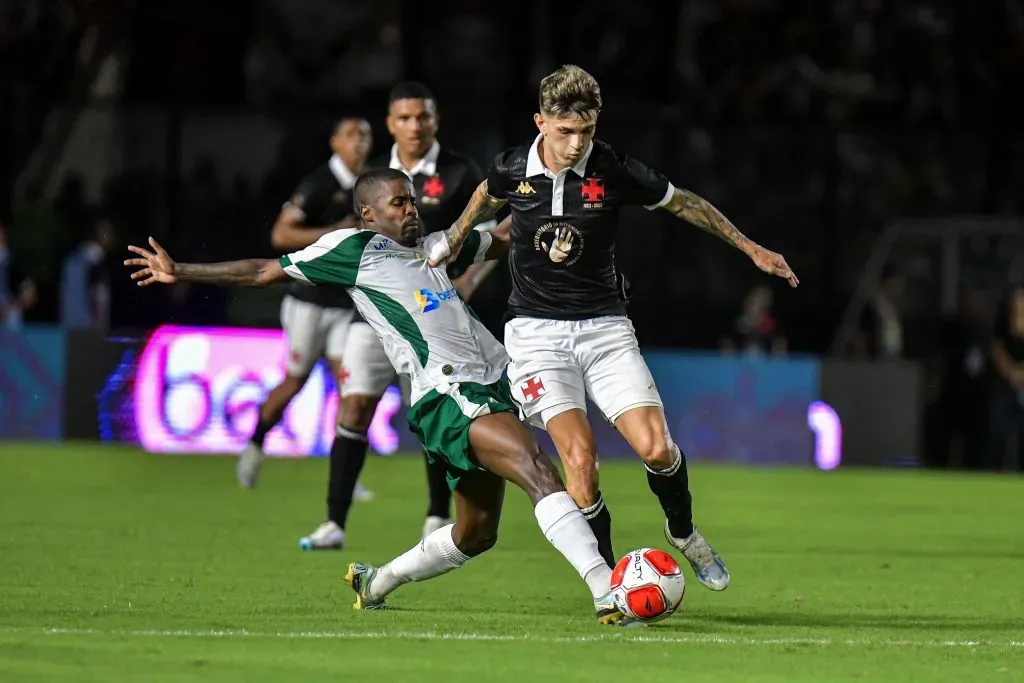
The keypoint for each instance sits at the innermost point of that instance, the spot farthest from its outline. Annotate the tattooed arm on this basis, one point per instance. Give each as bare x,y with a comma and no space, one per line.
158,266
481,207
697,211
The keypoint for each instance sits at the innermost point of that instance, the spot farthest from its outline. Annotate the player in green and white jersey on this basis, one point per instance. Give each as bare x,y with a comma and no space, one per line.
461,411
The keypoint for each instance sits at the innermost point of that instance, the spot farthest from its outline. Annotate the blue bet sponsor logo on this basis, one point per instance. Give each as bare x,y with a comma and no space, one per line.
429,300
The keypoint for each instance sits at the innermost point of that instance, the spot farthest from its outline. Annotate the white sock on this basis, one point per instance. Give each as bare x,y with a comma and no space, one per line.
565,527
436,554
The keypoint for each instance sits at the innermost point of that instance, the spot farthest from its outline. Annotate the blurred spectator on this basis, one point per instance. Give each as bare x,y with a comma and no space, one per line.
881,325
84,282
756,332
17,290
1006,426
959,404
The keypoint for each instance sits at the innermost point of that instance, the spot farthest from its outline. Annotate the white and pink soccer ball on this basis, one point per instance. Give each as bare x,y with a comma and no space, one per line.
648,585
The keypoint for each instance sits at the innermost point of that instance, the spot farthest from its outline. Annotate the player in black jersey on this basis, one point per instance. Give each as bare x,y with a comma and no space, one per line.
444,181
315,319
569,337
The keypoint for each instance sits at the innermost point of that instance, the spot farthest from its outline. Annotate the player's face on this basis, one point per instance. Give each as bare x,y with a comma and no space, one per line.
352,142
413,125
565,138
394,213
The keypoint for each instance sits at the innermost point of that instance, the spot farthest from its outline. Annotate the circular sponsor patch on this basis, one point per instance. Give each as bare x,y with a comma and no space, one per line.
562,242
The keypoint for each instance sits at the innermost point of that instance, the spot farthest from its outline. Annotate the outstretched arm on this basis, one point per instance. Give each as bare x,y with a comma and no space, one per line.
698,211
158,266
481,207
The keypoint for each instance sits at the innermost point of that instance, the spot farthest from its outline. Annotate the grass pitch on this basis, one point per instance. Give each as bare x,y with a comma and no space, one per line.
117,566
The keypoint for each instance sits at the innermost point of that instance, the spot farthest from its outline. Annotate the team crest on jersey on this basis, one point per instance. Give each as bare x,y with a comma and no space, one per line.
433,190
340,197
562,242
592,191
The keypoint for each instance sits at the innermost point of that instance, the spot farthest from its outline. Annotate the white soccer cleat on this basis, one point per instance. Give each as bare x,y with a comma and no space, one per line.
328,536
362,494
434,523
707,565
248,468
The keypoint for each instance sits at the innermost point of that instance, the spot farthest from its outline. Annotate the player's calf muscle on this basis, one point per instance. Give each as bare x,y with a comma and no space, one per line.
503,446
575,443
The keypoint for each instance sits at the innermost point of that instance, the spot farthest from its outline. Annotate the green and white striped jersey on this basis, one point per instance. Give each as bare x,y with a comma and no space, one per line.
427,330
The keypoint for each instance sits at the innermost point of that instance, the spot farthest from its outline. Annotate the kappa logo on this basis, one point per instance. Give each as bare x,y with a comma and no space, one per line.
429,300
525,188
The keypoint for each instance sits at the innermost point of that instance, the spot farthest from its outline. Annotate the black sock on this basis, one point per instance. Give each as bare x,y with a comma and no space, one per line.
260,433
672,487
348,453
437,486
600,521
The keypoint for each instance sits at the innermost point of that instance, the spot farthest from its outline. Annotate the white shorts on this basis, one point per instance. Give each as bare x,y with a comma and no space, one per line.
313,331
557,364
366,370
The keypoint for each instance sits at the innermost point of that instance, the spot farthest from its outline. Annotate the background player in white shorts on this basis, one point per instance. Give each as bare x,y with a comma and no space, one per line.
569,337
461,410
316,321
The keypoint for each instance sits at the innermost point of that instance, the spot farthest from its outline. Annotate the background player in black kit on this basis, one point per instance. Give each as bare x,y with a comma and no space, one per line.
444,181
569,337
315,319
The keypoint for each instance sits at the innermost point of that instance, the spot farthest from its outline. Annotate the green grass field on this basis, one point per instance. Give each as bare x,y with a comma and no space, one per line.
116,565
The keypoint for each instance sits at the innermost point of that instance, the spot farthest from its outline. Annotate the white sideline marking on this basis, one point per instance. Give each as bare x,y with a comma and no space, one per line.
620,635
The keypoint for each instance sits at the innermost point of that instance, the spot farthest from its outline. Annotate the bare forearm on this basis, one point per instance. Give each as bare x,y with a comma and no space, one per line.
699,212
248,273
482,207
479,272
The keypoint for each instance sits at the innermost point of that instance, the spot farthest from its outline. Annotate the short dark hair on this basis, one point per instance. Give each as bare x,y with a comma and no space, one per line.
370,182
338,123
410,90
570,91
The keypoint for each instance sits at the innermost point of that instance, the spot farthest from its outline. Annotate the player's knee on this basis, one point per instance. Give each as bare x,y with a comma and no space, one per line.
355,412
655,448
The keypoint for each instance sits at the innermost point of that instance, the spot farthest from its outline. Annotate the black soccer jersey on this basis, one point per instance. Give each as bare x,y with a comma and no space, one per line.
564,225
323,198
444,181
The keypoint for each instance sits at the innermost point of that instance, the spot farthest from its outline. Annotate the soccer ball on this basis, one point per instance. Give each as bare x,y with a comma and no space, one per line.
648,585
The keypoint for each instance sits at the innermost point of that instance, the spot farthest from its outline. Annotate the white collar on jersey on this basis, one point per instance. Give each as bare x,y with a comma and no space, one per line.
346,178
425,166
534,166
